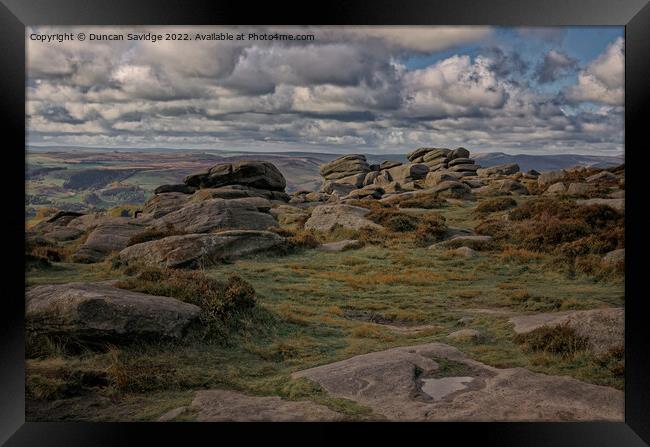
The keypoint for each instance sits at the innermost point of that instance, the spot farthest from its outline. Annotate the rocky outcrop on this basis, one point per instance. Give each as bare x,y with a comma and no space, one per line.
195,250
255,174
107,238
408,384
182,188
233,406
550,177
328,217
100,312
503,169
217,214
347,166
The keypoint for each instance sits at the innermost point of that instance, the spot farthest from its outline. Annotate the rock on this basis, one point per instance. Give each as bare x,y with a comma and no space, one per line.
507,185
327,217
461,241
436,154
370,191
63,217
105,239
182,188
256,174
335,247
418,153
464,168
214,214
387,164
452,189
370,177
237,192
408,172
316,197
461,161
473,183
533,173
61,234
99,312
550,177
556,188
465,252
502,169
345,166
618,194
436,166
602,176
196,250
465,321
396,383
164,203
615,257
355,180
435,178
460,152
289,215
172,414
233,406
579,189
466,334
339,189
603,328
617,204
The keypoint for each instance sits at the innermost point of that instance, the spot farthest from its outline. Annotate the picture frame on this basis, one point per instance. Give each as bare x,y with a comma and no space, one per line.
15,15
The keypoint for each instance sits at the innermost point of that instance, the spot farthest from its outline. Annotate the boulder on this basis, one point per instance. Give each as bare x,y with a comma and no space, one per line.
338,189
579,189
464,168
409,384
435,178
408,172
214,214
550,177
256,174
502,169
344,166
615,257
99,312
464,252
387,164
556,188
370,191
181,187
237,192
418,153
196,250
105,239
466,334
461,161
602,176
355,180
452,189
436,154
370,177
328,217
460,152
507,185
164,203
233,406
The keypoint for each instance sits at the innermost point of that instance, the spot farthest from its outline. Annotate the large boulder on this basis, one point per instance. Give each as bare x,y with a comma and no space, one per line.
502,169
215,214
580,189
256,174
107,238
100,312
328,217
460,152
195,250
408,172
370,191
164,203
452,189
602,176
237,192
338,189
182,188
550,177
345,166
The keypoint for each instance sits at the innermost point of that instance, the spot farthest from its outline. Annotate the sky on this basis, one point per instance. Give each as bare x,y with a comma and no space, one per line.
363,89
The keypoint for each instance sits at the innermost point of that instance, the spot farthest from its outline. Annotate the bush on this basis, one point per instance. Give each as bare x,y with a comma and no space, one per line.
426,201
303,239
496,204
431,228
218,300
547,234
401,223
560,340
545,206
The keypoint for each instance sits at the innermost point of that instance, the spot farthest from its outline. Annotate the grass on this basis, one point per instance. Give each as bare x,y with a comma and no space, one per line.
313,308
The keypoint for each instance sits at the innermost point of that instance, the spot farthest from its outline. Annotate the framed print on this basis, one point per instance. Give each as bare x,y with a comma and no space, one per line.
412,218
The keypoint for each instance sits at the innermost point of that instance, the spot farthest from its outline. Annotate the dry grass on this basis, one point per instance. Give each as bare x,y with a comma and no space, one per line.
558,340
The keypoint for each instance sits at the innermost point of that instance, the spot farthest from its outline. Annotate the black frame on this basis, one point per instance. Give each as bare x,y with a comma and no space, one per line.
15,15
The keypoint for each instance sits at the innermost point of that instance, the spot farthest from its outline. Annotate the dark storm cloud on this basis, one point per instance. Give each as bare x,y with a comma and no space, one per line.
555,65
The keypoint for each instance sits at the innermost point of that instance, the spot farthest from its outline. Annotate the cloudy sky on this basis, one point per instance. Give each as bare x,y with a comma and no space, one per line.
351,89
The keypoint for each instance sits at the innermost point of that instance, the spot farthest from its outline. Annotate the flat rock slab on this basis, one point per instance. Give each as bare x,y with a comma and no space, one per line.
391,383
100,312
232,406
105,239
328,217
604,328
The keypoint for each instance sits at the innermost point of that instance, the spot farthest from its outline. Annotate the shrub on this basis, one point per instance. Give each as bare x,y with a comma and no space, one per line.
218,300
303,239
560,340
496,204
426,201
401,223
431,228
545,235
544,206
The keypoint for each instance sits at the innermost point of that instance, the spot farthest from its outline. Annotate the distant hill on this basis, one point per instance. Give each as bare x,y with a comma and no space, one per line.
546,162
